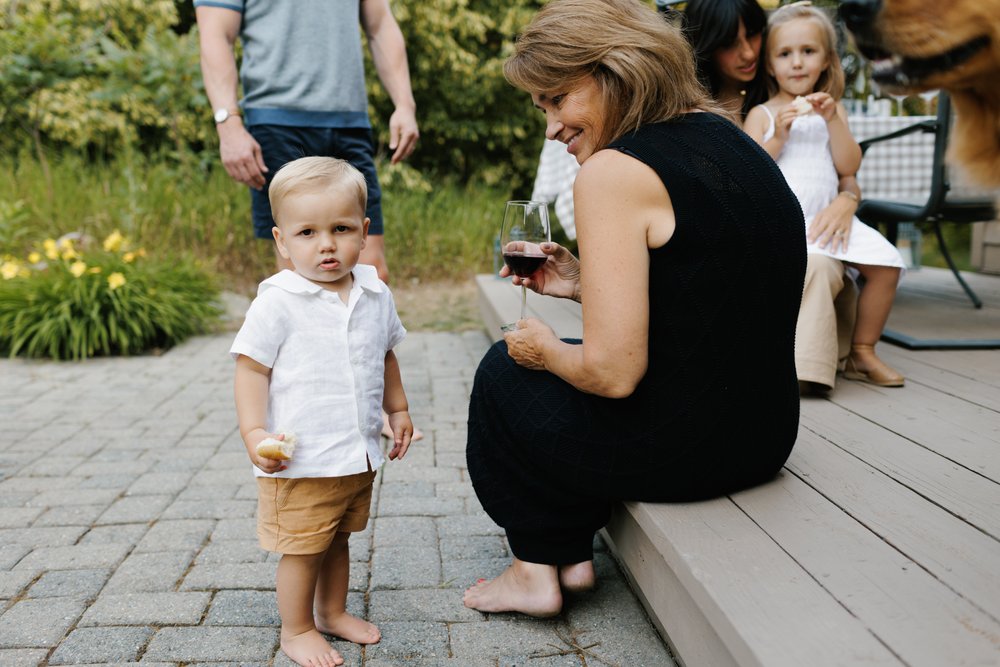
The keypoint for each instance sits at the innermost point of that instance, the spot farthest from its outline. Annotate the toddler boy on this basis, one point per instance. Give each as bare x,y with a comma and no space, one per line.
314,358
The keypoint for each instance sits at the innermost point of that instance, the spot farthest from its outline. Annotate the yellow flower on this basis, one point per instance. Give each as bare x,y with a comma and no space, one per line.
141,252
51,251
77,268
129,257
115,280
35,257
9,269
69,254
65,243
25,272
94,269
114,241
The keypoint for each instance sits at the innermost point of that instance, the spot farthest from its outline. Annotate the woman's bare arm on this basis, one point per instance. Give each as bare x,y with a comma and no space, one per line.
622,209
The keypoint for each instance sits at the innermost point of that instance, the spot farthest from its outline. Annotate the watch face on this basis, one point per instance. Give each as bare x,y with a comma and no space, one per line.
221,115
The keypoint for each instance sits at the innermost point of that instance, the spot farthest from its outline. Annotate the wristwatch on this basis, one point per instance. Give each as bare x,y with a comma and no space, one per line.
222,115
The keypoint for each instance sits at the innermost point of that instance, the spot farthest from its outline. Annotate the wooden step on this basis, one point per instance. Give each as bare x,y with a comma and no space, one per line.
877,544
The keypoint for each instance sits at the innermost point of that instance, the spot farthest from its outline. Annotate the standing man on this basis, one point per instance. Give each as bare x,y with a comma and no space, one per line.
304,93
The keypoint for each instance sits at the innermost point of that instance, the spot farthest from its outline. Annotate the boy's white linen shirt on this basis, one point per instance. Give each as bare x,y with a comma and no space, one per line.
327,362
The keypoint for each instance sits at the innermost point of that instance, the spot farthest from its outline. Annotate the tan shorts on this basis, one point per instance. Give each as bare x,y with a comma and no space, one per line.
301,516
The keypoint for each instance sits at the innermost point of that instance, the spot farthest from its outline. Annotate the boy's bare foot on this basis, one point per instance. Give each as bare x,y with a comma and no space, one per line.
387,432
348,627
577,577
529,588
309,649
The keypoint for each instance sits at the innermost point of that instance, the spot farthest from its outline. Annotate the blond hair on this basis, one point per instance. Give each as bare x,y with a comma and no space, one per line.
831,81
315,174
643,65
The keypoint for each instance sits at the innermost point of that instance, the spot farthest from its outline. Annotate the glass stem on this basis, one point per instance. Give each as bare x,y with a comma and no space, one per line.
524,300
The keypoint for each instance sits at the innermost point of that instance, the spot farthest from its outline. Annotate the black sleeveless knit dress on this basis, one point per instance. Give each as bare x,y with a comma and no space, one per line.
718,408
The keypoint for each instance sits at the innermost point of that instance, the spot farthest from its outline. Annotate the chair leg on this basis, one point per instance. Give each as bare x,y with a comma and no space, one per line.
892,232
954,269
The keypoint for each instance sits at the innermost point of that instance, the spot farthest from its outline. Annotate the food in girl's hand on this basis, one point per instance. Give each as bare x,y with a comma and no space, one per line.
802,105
280,450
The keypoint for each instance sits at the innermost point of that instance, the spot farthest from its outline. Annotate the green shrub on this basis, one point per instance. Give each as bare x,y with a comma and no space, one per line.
106,75
74,299
472,122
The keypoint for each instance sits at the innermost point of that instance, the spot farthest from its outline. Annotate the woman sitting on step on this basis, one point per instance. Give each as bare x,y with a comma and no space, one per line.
684,385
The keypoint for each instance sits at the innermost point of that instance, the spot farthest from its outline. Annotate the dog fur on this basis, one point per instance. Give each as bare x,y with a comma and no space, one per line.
954,46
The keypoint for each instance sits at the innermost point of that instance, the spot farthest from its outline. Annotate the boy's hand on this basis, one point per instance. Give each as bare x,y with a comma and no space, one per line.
254,438
402,432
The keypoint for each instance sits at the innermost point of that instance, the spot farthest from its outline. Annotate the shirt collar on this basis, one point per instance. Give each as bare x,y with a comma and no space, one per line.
365,277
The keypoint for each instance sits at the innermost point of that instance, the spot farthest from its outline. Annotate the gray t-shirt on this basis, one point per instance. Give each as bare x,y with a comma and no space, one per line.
302,62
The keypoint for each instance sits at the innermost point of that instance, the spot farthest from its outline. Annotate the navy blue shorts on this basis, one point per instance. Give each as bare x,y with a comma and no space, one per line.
281,144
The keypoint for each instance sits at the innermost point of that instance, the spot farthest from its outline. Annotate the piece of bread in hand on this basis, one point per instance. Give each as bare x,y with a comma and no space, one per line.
802,105
280,450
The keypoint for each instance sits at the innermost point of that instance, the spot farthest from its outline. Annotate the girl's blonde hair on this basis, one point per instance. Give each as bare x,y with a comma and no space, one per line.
831,81
643,65
316,174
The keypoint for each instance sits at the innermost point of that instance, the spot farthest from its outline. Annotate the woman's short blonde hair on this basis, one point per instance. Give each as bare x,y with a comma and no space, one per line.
316,174
643,65
831,81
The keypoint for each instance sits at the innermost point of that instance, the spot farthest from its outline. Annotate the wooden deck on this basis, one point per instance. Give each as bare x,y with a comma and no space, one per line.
879,542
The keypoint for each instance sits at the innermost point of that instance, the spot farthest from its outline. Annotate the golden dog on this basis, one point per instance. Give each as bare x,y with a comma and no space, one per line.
920,45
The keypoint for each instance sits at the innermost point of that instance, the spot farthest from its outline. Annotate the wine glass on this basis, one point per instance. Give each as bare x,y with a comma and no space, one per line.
525,228
900,98
928,97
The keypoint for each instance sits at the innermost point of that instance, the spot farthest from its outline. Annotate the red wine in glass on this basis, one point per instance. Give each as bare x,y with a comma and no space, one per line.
523,264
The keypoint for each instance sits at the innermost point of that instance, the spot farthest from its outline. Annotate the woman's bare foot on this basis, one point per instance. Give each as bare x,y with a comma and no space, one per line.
529,588
387,432
577,577
309,649
348,627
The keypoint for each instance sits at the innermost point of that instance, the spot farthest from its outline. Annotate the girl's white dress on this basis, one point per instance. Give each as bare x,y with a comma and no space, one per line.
807,164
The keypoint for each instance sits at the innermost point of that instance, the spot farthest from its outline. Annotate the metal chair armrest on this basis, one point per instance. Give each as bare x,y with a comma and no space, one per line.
927,126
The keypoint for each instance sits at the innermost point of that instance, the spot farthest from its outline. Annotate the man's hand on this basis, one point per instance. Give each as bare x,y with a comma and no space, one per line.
241,154
403,133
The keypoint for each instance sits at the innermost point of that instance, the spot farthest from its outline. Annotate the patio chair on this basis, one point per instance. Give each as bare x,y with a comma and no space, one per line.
941,202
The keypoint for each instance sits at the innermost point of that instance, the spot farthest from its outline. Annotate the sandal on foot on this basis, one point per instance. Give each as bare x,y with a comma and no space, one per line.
881,376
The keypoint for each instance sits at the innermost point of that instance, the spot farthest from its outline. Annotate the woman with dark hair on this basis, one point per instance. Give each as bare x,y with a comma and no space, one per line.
726,36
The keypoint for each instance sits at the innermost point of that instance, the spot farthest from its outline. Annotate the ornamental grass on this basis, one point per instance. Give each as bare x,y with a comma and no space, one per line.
75,298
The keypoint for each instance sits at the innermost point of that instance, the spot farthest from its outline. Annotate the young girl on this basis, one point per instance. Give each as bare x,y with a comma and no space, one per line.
804,128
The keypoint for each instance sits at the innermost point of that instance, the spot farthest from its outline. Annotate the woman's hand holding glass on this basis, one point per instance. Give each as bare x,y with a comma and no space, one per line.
559,276
526,344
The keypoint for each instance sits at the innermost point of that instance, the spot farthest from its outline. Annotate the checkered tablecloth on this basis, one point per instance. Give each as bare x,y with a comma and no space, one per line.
899,169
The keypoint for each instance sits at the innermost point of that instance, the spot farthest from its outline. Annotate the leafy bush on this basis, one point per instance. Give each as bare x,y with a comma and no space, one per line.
472,122
103,75
73,299
86,74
